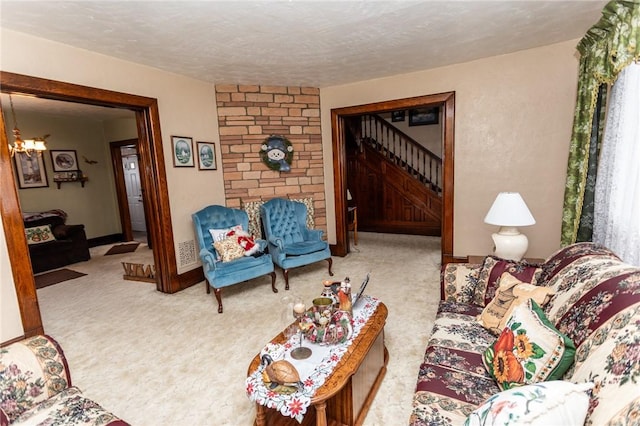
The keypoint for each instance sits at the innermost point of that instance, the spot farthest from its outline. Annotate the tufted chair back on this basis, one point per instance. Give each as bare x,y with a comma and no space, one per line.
286,219
216,217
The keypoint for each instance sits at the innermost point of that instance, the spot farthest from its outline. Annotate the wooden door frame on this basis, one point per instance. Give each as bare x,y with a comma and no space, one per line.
447,102
153,178
121,191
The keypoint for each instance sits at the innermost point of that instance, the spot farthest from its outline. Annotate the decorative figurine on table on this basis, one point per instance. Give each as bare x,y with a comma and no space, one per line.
332,290
345,302
280,376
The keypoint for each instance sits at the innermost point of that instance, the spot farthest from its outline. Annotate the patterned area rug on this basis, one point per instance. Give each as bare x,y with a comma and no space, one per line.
122,248
55,277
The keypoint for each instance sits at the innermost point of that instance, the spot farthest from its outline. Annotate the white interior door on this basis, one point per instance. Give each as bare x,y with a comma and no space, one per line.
134,192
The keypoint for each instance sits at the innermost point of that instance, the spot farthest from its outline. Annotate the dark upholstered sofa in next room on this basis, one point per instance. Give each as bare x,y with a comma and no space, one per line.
588,369
61,246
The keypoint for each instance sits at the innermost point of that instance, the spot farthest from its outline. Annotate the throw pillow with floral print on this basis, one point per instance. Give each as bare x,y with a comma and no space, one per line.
549,403
529,350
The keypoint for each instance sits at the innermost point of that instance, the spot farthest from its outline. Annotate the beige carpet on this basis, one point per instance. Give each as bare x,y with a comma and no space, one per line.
157,359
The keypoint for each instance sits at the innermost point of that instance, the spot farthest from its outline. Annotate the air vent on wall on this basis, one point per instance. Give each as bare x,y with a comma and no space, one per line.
187,252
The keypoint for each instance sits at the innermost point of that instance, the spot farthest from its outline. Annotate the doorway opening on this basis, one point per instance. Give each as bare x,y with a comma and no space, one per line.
339,116
129,190
153,177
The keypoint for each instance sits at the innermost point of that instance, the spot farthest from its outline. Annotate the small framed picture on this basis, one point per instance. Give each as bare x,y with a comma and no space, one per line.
64,161
182,151
423,116
206,155
31,171
397,116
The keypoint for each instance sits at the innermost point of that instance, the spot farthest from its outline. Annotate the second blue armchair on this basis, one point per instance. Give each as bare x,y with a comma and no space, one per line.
291,243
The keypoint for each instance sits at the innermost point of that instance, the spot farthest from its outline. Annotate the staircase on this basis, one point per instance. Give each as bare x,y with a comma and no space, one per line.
395,182
402,150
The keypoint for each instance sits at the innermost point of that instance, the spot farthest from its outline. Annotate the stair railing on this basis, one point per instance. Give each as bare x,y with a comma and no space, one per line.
401,149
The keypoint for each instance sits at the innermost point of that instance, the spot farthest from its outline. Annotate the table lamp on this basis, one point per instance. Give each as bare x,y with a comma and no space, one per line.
508,212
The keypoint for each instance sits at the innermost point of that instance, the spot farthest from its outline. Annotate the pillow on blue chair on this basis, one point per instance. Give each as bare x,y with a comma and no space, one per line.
221,234
228,249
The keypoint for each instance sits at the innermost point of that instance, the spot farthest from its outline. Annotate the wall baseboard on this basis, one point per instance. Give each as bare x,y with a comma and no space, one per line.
190,278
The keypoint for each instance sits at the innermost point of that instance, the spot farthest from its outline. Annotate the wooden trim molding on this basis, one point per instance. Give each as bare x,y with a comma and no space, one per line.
153,177
17,242
191,277
447,102
121,190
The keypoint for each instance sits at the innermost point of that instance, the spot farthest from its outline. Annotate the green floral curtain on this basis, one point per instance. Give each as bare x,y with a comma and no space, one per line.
608,47
585,228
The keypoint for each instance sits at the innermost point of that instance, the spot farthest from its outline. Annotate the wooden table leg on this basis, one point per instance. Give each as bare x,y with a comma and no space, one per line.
353,223
321,414
260,415
355,226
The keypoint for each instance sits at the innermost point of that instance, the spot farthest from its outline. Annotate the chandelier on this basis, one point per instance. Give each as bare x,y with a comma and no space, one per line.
27,146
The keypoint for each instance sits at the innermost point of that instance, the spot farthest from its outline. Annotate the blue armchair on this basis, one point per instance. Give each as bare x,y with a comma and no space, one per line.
291,243
221,274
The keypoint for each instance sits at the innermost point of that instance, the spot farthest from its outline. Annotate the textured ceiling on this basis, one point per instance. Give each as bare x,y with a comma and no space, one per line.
301,43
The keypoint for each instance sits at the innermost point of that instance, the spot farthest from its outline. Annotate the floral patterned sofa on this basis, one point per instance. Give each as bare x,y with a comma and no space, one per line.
35,388
595,303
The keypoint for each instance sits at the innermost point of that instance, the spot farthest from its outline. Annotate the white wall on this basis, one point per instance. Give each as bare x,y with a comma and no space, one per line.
429,136
513,123
120,129
10,321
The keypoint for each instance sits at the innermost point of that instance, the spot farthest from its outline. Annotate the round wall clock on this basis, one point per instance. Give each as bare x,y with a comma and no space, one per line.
277,153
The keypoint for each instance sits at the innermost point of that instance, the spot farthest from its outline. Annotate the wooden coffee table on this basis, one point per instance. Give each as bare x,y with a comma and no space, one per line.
346,395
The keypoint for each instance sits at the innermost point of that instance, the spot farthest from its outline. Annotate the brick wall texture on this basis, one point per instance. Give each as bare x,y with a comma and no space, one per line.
247,115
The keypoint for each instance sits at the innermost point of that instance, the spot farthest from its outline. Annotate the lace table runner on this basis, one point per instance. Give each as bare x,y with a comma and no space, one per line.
313,371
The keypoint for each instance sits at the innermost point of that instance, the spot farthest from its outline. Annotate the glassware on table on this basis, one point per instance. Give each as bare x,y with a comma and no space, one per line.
299,309
286,309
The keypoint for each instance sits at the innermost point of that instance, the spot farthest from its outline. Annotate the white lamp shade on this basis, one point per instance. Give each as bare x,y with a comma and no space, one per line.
509,209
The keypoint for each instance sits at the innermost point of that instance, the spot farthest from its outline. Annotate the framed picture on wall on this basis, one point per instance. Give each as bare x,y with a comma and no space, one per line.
397,116
206,155
30,170
423,116
64,161
182,148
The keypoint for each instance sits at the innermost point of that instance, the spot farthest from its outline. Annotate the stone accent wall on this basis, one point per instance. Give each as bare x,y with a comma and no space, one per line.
247,115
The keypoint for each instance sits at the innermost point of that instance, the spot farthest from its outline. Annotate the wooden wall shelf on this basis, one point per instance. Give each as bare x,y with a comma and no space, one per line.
82,180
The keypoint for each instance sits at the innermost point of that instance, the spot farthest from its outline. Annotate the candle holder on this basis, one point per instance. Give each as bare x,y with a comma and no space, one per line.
299,309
